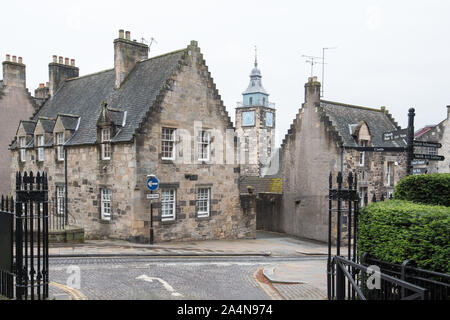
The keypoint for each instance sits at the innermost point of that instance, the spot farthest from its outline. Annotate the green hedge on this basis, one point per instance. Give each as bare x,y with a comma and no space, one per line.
395,230
426,188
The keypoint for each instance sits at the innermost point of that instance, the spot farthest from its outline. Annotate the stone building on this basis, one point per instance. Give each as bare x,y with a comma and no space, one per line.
100,135
331,137
439,133
16,103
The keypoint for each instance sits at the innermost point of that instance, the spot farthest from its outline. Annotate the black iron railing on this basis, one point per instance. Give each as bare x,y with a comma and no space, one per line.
437,284
358,282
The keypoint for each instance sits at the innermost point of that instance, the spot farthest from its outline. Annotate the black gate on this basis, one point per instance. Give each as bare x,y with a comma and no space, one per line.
343,212
24,240
351,279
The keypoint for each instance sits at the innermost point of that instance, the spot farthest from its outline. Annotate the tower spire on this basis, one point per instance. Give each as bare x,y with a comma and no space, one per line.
256,57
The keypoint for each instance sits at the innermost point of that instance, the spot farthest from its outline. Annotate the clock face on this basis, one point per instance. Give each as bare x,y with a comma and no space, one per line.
248,118
269,119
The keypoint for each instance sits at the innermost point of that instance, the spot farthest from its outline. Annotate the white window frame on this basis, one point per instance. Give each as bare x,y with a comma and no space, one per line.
60,146
105,204
23,151
167,140
40,144
60,200
362,158
106,146
204,142
168,204
203,202
388,173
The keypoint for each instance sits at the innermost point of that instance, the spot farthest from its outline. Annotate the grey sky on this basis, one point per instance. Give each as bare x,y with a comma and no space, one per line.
390,53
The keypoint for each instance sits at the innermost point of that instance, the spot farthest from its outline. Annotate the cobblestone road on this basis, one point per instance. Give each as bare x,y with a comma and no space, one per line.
142,279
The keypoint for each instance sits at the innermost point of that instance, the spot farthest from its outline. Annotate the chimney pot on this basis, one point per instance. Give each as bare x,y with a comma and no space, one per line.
20,59
14,59
66,61
55,59
121,34
60,60
127,35
41,85
46,84
72,62
8,57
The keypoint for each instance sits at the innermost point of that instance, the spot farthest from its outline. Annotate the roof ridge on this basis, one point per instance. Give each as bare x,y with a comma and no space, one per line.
351,105
89,75
68,115
163,55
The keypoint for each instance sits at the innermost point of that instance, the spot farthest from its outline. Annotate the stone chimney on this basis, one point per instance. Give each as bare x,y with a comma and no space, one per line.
126,54
42,92
448,112
60,70
14,72
312,91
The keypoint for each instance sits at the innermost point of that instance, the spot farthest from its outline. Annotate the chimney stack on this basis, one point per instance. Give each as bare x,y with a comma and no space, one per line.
126,54
312,91
42,92
60,71
448,112
14,72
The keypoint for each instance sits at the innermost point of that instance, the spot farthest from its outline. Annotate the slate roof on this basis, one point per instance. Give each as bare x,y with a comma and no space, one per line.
70,122
83,97
29,126
47,124
345,119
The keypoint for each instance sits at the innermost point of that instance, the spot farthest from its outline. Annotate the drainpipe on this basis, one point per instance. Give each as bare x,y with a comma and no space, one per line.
342,159
65,189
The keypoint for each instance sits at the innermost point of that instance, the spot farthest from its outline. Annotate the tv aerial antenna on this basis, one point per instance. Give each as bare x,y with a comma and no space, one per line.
149,44
323,68
312,60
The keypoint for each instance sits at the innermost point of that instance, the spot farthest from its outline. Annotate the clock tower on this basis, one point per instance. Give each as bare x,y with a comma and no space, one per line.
255,126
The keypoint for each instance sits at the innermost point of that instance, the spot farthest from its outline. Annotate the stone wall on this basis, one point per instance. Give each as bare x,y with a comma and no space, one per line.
192,101
16,104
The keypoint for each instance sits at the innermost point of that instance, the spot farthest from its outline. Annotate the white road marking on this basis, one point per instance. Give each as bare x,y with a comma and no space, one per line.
166,286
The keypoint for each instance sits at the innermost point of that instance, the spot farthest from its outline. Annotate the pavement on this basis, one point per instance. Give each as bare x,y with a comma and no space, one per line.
303,279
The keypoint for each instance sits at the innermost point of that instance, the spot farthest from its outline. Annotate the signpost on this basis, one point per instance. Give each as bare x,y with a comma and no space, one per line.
152,185
395,135
412,159
419,163
420,170
432,157
427,144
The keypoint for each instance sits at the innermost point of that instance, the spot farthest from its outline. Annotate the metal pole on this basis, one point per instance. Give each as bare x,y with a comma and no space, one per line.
410,145
151,219
340,278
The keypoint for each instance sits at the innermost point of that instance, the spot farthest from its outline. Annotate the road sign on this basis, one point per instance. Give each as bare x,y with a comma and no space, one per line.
379,149
419,163
428,157
395,135
152,183
427,144
152,196
419,170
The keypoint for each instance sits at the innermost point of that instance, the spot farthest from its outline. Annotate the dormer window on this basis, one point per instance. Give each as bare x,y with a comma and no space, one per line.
23,151
60,146
40,150
106,144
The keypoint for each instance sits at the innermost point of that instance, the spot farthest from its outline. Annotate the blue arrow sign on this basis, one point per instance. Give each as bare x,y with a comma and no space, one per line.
152,183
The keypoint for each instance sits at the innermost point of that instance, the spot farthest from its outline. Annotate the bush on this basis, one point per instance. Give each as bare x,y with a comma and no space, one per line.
395,230
426,188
